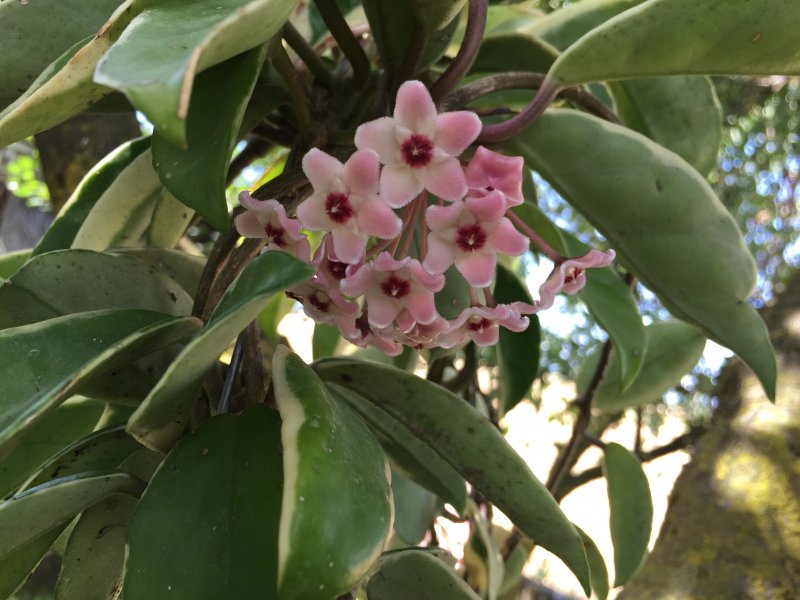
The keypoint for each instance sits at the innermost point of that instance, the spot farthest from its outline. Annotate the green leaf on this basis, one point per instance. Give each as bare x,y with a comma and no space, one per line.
160,419
218,493
563,27
667,226
44,363
123,212
170,220
99,451
517,352
72,420
413,456
28,515
36,34
680,113
17,566
736,37
324,340
453,298
10,262
55,284
334,473
417,575
474,447
158,77
436,14
196,173
95,555
597,565
631,510
65,87
414,509
514,51
673,348
96,184
392,23
185,269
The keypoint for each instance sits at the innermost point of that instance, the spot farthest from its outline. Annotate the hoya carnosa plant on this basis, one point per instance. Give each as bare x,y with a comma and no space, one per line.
378,272
156,433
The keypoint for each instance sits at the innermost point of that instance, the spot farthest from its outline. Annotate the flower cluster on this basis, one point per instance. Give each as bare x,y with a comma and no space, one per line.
451,215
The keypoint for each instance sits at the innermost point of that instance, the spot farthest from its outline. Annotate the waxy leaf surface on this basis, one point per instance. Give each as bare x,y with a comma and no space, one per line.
686,37
417,575
195,174
68,422
337,502
414,456
517,352
472,445
95,184
219,492
160,419
631,510
55,284
673,348
158,77
45,363
65,87
665,222
28,515
35,34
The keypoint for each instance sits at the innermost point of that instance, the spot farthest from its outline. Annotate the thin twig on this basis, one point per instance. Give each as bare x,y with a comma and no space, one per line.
572,482
224,405
347,41
461,64
306,53
283,65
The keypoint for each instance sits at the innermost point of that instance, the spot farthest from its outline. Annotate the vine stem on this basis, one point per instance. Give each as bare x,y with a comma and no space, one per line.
461,64
345,38
306,53
515,80
283,65
507,129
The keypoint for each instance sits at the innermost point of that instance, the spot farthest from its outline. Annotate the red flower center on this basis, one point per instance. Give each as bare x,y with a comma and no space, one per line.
572,274
320,301
470,237
478,323
338,207
417,151
394,287
337,269
274,235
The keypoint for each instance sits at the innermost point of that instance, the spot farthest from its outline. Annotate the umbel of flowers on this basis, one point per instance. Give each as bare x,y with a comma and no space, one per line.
367,283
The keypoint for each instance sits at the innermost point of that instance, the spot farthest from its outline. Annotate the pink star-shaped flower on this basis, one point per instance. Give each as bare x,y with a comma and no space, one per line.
568,275
471,233
481,324
267,219
345,202
321,297
421,336
362,334
394,289
489,171
419,147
